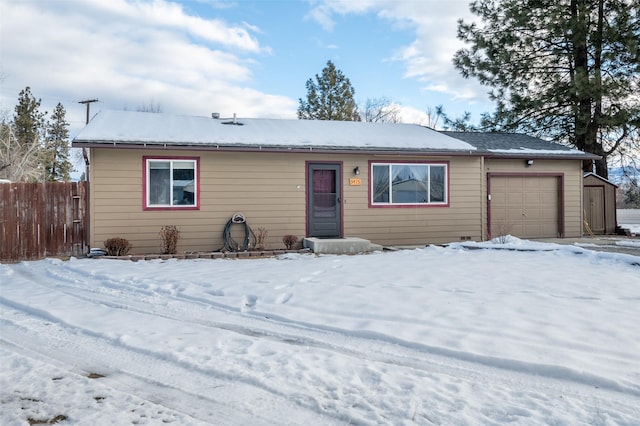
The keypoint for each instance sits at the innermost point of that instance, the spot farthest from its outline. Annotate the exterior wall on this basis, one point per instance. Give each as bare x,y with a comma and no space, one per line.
609,202
270,189
461,220
569,170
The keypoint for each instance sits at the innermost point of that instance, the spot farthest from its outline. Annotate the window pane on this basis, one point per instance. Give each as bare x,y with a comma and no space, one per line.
437,184
159,181
410,184
324,181
183,183
159,165
184,165
380,184
171,183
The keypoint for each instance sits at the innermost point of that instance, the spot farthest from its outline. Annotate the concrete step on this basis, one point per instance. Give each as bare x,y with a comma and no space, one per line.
347,245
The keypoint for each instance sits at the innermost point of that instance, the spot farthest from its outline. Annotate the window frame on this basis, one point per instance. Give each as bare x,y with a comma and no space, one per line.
390,164
146,205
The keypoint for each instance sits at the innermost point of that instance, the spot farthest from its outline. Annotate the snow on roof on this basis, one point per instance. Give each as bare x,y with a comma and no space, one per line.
517,144
524,150
129,127
599,177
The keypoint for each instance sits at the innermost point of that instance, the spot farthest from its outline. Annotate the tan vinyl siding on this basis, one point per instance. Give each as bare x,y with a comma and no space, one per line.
269,188
416,225
262,186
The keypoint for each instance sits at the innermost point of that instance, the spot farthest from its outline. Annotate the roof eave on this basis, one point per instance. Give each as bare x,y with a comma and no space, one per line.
328,149
541,156
266,148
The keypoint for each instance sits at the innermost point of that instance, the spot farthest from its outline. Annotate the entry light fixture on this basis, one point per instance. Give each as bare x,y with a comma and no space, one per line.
356,170
529,163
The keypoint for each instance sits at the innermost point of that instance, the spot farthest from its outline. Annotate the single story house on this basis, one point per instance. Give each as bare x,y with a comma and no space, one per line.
392,184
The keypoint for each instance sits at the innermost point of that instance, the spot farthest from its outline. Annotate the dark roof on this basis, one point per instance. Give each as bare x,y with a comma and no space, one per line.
516,144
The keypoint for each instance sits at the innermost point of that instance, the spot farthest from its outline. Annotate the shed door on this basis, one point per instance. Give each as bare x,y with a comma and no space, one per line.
525,206
594,208
324,212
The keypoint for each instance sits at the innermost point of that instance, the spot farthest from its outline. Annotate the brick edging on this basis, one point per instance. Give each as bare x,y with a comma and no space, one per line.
207,255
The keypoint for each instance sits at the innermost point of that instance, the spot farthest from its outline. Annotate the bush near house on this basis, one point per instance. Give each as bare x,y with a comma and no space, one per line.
170,235
117,246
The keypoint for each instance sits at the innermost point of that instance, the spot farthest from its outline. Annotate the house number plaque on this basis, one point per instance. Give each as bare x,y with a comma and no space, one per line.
355,181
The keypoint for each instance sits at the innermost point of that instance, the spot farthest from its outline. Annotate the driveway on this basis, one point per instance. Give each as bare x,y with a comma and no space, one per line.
607,243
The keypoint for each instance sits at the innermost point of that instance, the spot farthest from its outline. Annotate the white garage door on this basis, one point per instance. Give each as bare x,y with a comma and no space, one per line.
525,206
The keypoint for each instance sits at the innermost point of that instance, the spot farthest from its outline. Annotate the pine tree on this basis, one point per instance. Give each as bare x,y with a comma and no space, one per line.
55,157
330,97
567,70
28,120
26,138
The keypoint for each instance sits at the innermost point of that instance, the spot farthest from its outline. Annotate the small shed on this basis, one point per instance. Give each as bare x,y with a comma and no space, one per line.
599,204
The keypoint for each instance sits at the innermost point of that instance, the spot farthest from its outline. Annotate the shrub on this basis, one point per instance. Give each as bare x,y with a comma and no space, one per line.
289,241
117,246
261,236
503,230
170,236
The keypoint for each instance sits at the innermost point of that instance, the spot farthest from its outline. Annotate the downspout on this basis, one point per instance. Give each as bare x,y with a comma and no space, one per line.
483,195
87,204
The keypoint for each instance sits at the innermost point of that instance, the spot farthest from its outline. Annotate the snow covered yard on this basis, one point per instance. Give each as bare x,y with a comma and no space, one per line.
428,336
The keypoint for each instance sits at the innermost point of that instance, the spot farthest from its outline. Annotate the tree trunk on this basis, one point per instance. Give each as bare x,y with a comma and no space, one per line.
602,169
596,94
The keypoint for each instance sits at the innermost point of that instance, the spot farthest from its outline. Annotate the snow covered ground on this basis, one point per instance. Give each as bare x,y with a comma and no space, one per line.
530,334
629,219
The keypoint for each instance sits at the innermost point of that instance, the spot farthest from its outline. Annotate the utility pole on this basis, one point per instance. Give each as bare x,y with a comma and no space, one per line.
88,103
85,155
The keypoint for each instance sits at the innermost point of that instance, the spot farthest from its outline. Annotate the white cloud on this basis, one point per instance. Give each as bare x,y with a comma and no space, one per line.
128,54
323,10
322,16
428,59
413,115
131,53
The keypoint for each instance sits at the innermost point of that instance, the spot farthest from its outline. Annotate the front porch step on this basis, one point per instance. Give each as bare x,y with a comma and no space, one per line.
347,245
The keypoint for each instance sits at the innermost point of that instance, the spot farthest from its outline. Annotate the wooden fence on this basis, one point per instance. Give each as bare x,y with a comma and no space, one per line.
43,219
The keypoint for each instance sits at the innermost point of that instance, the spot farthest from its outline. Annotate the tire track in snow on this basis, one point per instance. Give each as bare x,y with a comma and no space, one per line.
368,346
106,351
207,392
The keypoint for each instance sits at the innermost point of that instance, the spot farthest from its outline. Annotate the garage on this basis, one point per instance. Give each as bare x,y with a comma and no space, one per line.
525,206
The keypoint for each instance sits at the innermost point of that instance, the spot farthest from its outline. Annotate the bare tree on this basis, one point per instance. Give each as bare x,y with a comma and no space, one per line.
457,124
18,161
381,110
434,115
154,107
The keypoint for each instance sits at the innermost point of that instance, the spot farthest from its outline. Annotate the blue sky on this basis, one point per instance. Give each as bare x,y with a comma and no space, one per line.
251,58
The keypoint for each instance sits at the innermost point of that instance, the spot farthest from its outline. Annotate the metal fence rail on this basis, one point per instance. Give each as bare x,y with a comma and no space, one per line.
42,219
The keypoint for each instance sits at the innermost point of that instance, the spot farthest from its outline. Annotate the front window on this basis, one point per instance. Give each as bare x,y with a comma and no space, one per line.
171,183
409,184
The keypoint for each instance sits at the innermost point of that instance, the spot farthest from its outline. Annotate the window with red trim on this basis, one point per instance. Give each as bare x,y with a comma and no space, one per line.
408,184
171,183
